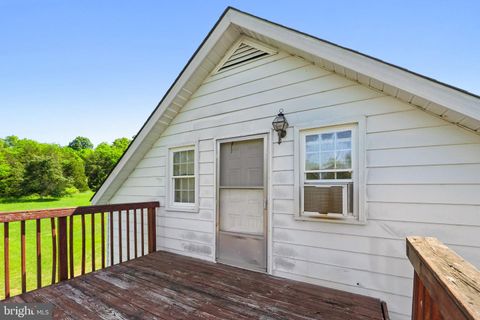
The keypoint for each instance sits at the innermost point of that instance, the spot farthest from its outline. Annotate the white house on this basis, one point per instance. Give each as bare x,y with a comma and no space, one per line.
372,153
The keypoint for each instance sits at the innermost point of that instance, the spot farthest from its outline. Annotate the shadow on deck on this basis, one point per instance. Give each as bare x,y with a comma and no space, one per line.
163,285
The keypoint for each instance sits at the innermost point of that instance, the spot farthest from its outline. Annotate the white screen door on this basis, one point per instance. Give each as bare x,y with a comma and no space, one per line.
241,229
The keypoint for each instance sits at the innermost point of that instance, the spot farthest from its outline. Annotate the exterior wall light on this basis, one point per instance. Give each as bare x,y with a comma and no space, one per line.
280,125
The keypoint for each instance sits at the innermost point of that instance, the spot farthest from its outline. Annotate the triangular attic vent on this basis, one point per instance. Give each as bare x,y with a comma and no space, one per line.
244,51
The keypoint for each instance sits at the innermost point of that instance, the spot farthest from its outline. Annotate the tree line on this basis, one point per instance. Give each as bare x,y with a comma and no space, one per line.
28,167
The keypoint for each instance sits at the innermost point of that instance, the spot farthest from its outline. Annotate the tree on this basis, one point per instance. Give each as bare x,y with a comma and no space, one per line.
80,143
28,167
104,158
74,169
11,179
11,141
11,168
5,173
44,176
121,144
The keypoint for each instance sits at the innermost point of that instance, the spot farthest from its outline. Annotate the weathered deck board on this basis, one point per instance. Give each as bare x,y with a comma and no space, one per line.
163,285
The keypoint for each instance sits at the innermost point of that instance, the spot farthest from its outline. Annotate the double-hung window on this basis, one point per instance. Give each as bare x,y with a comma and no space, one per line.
329,171
182,178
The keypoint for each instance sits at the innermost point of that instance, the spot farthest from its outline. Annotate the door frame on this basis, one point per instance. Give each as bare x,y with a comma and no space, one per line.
265,135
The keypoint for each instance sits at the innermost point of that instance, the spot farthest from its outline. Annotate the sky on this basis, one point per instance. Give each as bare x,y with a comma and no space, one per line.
98,68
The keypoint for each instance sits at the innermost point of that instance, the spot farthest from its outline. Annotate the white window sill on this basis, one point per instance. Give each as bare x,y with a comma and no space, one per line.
182,209
338,220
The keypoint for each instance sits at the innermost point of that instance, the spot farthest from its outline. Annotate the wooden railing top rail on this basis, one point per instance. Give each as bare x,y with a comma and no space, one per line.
452,282
65,212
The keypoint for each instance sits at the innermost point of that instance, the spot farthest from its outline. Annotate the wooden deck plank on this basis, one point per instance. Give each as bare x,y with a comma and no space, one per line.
214,304
258,295
179,294
164,285
256,285
124,306
58,313
145,299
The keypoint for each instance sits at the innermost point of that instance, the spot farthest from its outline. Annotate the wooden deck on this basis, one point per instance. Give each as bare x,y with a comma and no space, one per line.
163,285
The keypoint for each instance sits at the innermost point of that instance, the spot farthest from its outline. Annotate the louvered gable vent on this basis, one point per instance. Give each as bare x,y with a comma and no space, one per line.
243,52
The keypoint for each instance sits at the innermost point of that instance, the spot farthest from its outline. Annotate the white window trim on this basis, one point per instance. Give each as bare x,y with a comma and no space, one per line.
176,206
359,169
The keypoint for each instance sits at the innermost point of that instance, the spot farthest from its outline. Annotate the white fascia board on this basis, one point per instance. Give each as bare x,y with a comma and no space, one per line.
435,92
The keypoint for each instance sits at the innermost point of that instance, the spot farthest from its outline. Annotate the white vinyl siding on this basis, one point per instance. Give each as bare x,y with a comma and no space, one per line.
420,177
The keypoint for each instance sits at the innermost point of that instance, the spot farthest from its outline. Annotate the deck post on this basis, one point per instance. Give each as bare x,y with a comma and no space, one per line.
152,230
445,286
62,249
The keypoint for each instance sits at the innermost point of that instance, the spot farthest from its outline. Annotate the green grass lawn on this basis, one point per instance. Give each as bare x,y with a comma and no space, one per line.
80,199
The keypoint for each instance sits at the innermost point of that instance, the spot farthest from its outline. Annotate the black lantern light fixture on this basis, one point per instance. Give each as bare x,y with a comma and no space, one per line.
280,125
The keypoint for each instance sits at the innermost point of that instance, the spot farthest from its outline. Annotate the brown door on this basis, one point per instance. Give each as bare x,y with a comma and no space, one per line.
241,223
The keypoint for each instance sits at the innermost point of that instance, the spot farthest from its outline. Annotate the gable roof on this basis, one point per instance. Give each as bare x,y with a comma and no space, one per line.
452,104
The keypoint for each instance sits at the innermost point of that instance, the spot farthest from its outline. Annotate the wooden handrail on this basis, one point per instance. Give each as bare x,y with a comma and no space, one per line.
65,212
62,237
445,285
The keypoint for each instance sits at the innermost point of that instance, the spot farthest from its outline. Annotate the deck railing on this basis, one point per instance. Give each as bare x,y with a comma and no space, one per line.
445,286
62,230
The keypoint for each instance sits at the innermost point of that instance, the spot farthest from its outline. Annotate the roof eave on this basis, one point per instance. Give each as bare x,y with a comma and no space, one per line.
202,51
430,89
